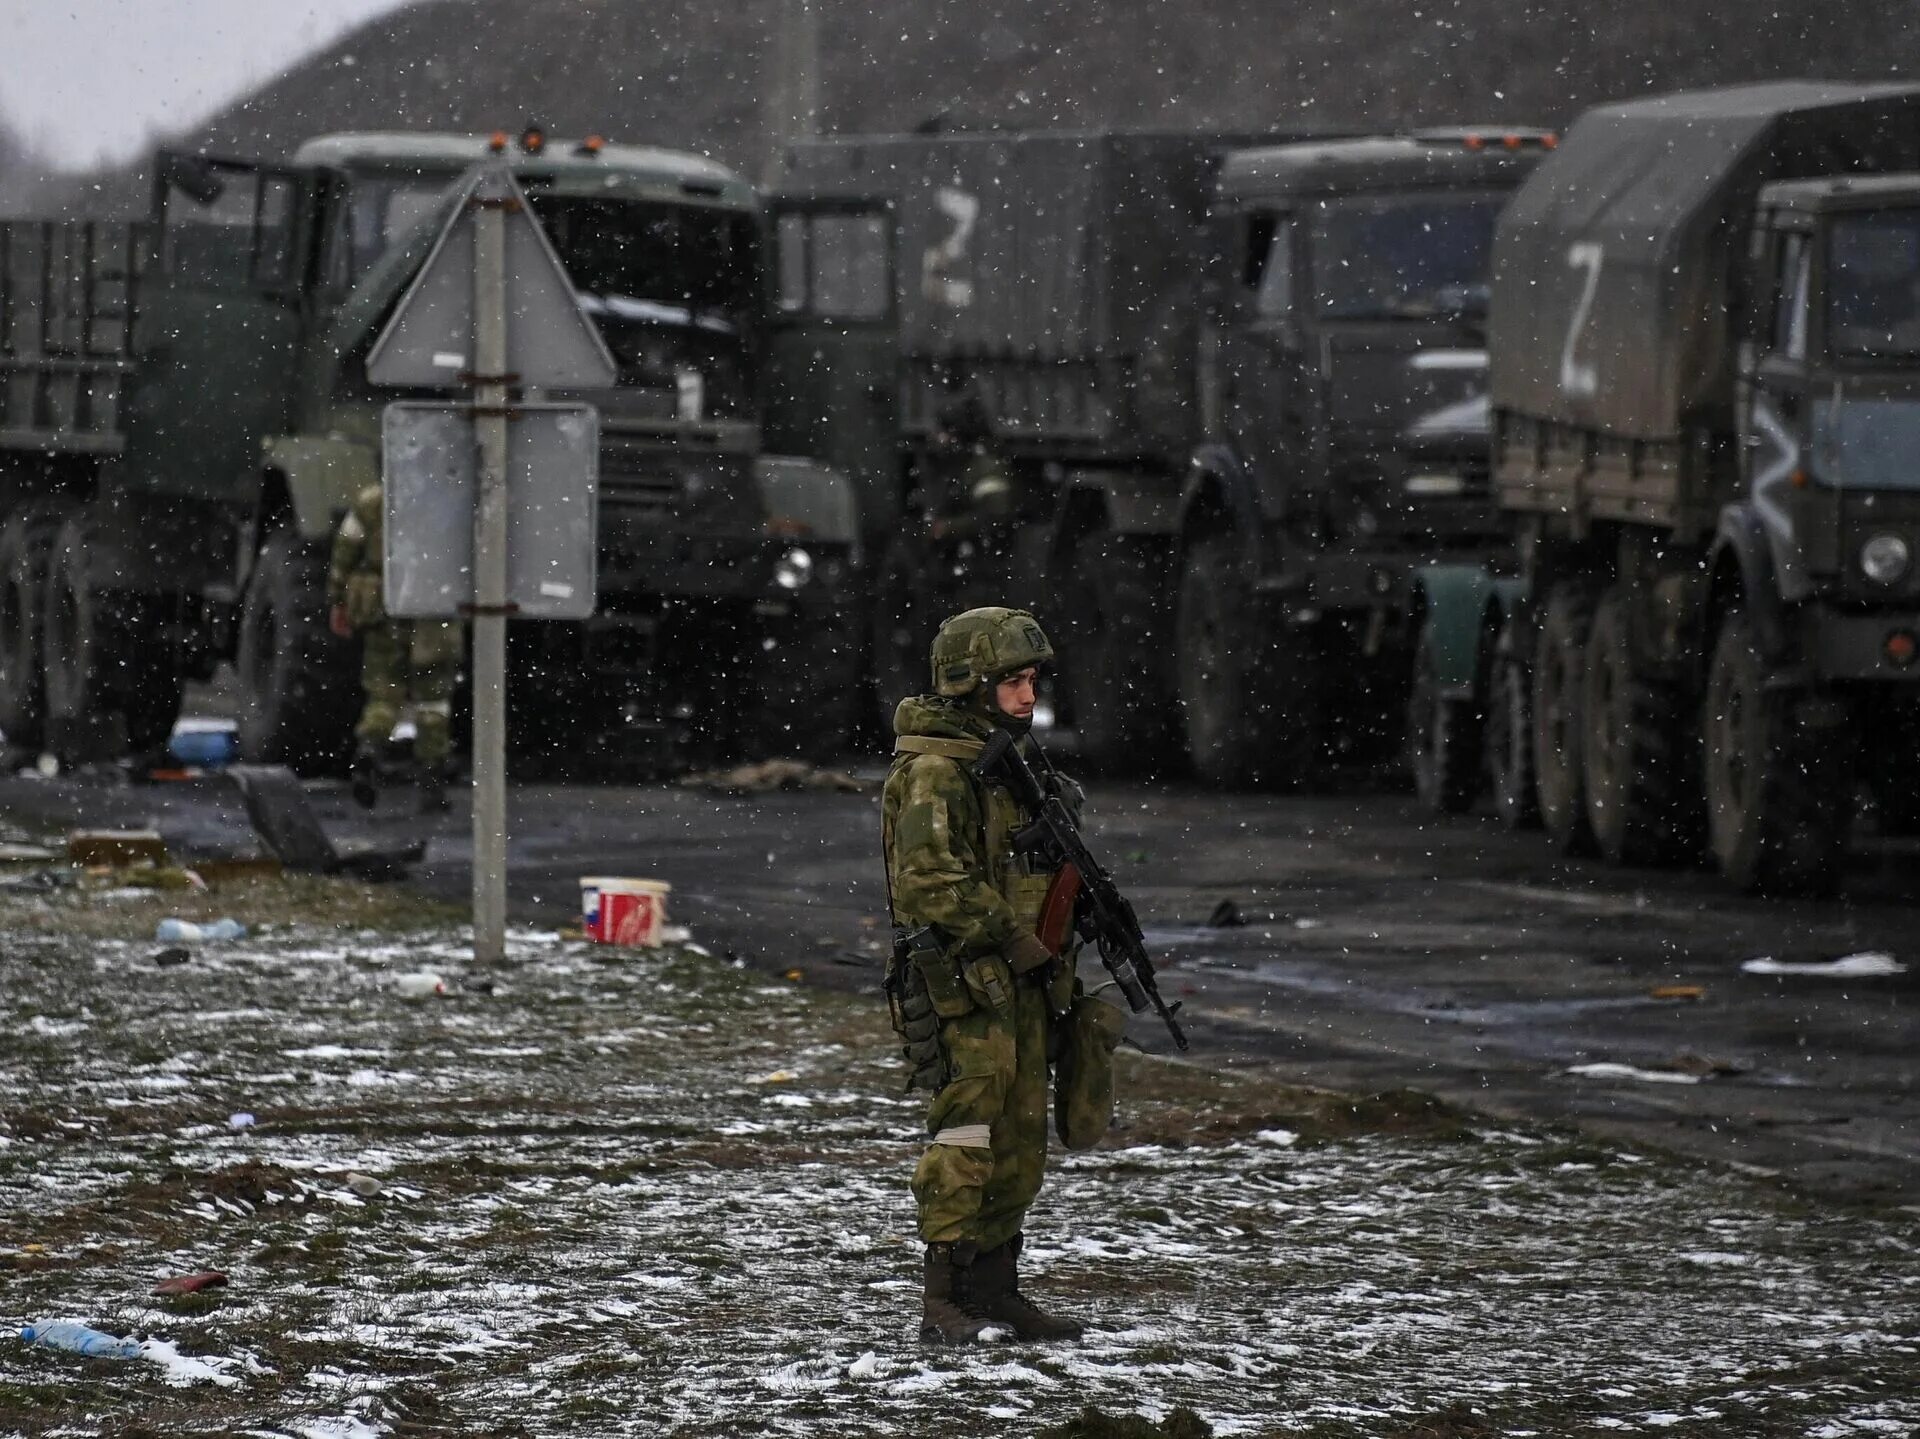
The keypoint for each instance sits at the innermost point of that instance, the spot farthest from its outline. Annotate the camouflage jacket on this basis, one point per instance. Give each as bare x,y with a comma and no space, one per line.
949,838
354,573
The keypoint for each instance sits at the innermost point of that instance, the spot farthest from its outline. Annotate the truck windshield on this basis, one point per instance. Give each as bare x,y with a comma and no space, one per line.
1867,444
1403,257
1873,286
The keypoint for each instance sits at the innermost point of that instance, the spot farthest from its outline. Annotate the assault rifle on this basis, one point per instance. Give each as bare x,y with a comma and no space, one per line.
1101,913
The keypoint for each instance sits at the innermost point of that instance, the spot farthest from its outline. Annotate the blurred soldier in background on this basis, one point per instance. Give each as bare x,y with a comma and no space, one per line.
972,491
404,663
982,983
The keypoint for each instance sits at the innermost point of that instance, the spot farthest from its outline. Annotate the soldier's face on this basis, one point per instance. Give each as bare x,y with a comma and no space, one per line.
1013,696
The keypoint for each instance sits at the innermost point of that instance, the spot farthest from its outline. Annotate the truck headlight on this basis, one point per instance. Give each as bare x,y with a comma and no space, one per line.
793,570
1885,559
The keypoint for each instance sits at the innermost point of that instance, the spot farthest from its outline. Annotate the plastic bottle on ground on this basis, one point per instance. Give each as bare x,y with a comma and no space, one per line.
422,984
80,1339
185,931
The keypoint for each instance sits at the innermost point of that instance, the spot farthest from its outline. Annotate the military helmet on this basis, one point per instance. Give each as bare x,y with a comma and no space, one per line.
983,646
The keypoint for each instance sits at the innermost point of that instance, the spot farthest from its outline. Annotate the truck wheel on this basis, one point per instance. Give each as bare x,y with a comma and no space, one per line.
106,655
903,626
1113,651
26,541
804,698
1443,739
1559,691
300,682
1509,737
1231,676
1635,746
1779,796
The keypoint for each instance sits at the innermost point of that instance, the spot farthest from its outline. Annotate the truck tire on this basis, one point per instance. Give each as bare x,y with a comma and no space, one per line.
1443,739
1559,691
1232,675
299,681
804,697
26,542
106,657
1114,652
1635,747
1509,739
1779,795
903,627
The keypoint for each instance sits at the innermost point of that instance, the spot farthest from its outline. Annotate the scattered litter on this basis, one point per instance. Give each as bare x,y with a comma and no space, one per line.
796,975
26,854
47,766
204,743
364,1185
185,931
242,1120
173,954
191,1283
779,1076
776,774
78,1338
421,984
116,847
1630,1071
1677,991
1871,964
675,934
1226,915
1282,1137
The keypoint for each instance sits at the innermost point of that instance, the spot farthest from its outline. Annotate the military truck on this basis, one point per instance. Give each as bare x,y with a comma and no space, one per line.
186,414
1705,343
1234,381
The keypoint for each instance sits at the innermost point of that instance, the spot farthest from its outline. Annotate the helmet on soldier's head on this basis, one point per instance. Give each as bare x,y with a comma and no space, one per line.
983,646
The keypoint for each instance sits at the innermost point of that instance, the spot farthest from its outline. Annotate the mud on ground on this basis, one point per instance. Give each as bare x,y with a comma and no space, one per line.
655,1193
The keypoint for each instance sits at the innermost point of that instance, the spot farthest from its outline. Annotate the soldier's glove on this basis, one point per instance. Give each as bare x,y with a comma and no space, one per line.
1024,953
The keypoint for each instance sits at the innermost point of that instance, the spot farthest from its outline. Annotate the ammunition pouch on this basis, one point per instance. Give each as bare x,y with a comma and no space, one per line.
919,964
1083,1072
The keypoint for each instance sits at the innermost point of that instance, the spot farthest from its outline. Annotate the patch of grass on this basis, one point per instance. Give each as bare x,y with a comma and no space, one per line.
259,901
1092,1423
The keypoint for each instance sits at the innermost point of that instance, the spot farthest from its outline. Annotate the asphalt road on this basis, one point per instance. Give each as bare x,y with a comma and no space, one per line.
1383,949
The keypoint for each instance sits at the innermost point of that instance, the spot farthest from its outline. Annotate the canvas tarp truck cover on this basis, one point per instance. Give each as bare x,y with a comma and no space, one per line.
1614,265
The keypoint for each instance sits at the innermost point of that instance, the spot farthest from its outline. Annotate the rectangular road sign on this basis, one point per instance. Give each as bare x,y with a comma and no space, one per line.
428,465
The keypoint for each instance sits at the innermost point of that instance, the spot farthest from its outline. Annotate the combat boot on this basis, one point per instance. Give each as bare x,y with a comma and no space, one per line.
948,1311
363,780
996,1292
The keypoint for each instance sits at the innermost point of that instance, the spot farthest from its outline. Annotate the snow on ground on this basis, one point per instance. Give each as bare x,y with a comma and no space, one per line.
644,1195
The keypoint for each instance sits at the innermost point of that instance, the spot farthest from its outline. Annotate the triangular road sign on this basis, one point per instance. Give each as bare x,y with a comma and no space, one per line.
550,343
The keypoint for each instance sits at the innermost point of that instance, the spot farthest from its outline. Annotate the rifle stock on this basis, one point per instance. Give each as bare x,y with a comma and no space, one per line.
1104,915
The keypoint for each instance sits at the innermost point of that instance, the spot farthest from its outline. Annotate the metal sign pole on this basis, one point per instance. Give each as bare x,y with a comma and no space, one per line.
490,584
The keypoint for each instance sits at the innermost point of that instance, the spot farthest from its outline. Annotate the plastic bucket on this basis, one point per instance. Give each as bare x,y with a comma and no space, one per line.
623,911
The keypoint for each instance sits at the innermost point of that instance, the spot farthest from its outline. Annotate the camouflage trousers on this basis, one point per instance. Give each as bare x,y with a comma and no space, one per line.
983,1168
410,664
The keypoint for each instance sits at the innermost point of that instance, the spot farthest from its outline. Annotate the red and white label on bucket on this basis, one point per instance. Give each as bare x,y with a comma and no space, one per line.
623,911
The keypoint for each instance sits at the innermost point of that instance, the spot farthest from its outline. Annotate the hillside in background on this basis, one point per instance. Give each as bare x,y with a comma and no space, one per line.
693,76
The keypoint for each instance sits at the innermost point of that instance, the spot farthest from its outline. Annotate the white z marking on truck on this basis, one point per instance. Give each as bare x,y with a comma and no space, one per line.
1580,378
939,280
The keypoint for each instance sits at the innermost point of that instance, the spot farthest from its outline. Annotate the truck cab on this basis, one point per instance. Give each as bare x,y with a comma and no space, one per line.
1830,423
1344,403
242,424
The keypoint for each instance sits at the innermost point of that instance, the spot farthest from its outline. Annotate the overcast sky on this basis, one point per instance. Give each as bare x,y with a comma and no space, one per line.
84,80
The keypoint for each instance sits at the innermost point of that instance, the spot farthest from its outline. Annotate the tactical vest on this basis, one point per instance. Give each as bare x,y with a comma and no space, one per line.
1012,876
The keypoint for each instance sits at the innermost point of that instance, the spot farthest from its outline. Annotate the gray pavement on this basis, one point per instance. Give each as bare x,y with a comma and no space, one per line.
1383,948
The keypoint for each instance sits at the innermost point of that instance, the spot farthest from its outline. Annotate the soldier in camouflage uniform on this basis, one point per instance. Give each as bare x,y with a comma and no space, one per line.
983,1001
404,663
